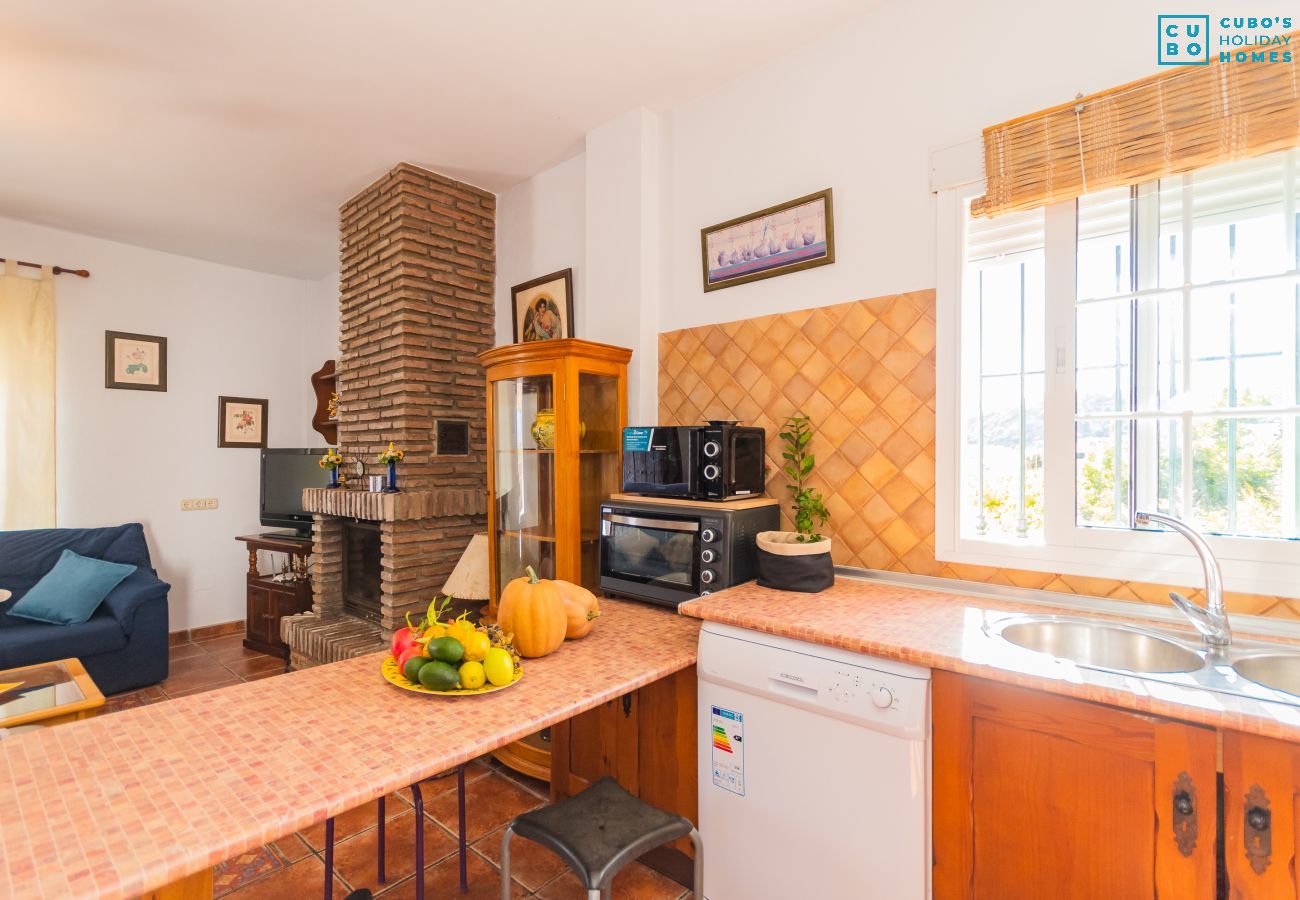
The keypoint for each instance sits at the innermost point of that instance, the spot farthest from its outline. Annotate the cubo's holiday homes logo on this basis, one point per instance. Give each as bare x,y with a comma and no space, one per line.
1185,40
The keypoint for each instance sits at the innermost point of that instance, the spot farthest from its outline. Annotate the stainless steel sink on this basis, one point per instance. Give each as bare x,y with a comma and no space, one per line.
1104,645
1281,672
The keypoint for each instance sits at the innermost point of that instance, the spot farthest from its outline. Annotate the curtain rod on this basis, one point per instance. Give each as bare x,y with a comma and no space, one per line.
58,270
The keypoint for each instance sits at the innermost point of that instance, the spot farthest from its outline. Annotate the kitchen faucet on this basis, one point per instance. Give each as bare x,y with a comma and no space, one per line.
1211,622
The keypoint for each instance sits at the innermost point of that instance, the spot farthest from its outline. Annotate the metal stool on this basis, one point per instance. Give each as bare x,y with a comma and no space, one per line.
418,799
598,832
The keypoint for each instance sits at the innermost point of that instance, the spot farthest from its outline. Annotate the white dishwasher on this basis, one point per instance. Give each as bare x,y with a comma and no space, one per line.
814,771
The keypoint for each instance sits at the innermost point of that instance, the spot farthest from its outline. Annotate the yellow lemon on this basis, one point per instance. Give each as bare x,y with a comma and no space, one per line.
476,645
499,667
472,675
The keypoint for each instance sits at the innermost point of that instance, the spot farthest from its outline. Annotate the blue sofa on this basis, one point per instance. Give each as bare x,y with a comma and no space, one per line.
124,644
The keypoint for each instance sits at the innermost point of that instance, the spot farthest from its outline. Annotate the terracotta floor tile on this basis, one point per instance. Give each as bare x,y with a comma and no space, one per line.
226,640
255,664
174,692
291,848
258,676
235,651
442,882
535,785
490,802
355,859
354,821
636,882
244,869
300,880
193,665
184,651
532,865
446,782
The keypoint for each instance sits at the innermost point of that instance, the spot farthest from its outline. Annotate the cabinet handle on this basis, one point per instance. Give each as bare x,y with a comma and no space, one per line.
1258,830
627,706
1184,814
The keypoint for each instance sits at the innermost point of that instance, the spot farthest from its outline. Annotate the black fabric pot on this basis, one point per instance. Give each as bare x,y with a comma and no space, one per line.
788,565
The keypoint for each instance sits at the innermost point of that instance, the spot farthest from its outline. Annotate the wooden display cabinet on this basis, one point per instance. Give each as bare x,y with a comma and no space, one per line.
555,416
270,600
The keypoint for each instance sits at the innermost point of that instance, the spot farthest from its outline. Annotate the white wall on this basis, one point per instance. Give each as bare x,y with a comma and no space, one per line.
127,456
860,112
542,223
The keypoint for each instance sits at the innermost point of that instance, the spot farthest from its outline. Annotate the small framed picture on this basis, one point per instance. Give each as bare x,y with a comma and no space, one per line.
135,362
241,422
543,307
788,237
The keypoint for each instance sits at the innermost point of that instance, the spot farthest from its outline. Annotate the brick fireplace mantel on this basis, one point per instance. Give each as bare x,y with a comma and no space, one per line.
400,507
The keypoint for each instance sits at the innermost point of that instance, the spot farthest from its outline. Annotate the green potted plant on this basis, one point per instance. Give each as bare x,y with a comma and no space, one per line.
798,560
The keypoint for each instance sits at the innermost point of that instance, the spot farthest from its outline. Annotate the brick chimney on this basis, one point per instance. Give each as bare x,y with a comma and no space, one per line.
418,259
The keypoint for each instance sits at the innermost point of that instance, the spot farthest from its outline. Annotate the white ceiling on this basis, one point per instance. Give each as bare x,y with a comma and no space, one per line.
233,130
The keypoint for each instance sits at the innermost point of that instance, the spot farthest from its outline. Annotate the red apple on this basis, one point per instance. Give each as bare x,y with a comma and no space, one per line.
402,639
412,650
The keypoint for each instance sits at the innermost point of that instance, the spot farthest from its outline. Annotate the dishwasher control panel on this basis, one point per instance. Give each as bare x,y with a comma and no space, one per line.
877,693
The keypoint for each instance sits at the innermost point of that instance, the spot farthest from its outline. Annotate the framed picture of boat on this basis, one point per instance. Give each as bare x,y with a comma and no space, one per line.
788,237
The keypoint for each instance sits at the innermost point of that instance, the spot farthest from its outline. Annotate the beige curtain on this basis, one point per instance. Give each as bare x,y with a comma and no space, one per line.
26,399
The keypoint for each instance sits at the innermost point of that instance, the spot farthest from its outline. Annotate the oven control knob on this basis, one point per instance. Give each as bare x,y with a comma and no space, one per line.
882,697
708,535
711,472
707,576
707,556
712,449
705,593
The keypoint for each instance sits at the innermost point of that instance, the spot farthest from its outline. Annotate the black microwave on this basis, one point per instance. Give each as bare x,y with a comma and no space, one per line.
718,461
668,554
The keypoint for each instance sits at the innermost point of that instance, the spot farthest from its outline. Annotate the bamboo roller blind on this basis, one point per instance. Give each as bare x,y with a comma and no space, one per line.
1163,125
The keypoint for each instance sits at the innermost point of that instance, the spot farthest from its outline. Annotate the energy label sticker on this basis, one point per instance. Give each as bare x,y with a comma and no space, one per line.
728,750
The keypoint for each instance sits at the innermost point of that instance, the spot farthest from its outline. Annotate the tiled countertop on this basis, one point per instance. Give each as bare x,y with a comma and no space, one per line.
941,630
115,806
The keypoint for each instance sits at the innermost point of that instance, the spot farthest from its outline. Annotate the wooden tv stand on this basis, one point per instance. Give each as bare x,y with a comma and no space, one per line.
269,600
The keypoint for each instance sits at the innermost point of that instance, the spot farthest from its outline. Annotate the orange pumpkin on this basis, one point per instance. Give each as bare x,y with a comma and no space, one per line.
532,611
581,608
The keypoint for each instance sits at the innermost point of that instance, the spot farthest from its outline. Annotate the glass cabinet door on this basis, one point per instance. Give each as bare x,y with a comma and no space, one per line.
524,476
598,461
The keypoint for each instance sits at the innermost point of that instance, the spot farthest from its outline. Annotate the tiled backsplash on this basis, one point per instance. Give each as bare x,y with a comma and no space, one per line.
864,373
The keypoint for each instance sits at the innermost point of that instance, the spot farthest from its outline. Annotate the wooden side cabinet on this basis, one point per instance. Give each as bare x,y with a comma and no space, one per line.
269,600
646,740
1261,809
1037,795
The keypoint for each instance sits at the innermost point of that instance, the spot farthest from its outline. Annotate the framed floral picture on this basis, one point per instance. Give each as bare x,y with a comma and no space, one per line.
135,362
543,307
241,422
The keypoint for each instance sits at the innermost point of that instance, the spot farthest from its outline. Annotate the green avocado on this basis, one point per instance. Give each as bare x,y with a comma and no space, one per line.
439,676
411,671
447,649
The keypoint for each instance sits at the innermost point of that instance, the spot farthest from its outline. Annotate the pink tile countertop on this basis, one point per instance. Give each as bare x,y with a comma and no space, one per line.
940,630
112,807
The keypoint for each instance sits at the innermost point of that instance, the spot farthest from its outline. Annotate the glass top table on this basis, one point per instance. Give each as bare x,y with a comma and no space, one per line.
47,693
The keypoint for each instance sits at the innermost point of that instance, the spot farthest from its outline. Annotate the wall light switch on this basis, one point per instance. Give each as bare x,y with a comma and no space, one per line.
197,503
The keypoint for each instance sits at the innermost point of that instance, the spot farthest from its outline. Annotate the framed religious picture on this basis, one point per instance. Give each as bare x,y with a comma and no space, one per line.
135,362
543,307
241,422
788,237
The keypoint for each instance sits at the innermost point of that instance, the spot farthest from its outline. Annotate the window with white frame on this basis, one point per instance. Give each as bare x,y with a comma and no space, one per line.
1151,336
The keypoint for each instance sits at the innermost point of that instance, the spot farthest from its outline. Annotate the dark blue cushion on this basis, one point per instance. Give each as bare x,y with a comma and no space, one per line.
70,592
24,642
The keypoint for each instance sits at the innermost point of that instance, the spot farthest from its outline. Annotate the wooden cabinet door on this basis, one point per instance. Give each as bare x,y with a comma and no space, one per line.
1261,806
599,742
261,615
667,770
1037,795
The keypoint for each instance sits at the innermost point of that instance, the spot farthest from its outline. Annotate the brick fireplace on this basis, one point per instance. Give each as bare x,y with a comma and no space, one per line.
417,267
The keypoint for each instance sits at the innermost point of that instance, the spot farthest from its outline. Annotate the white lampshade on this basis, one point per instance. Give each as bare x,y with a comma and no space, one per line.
469,580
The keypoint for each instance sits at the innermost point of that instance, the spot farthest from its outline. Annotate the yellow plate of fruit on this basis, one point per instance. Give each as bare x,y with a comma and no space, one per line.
453,658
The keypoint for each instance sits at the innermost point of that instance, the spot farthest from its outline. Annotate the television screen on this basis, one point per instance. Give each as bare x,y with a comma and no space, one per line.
285,472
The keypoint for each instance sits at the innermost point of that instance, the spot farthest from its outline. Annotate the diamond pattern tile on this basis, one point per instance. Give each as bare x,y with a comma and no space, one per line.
864,372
